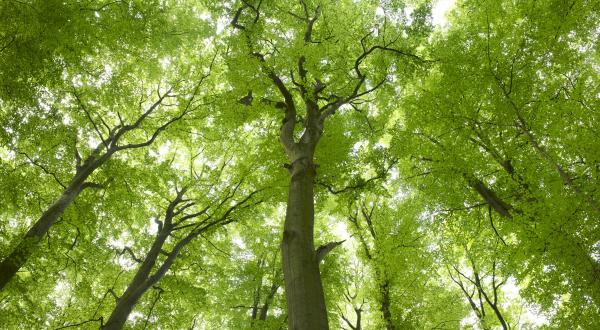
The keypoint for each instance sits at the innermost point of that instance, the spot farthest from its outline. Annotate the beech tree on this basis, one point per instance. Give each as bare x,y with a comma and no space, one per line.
182,215
301,68
113,131
476,263
304,164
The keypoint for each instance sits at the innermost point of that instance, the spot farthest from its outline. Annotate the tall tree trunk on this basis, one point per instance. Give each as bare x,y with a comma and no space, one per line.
384,289
138,285
21,253
121,312
303,287
500,317
265,308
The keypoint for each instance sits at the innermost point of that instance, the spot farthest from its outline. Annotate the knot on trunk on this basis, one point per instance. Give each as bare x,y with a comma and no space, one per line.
288,235
300,167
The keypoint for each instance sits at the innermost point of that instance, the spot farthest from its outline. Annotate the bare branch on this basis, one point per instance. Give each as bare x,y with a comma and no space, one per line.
154,135
32,161
177,225
130,252
309,20
235,22
160,291
126,128
12,39
360,184
489,196
76,152
100,319
494,227
330,108
347,321
183,207
89,117
92,185
75,239
216,247
114,294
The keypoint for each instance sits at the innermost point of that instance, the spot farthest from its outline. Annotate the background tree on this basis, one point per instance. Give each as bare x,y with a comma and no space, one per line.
515,132
104,100
476,263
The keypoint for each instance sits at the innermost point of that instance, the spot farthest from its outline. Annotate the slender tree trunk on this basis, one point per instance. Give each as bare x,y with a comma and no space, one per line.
121,312
381,277
303,287
256,302
500,317
21,253
265,308
384,289
358,312
140,283
255,305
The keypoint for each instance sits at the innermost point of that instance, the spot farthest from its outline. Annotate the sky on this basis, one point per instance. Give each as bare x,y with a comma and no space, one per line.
439,10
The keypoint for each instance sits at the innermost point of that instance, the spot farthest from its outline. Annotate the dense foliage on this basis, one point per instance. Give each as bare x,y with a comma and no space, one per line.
299,164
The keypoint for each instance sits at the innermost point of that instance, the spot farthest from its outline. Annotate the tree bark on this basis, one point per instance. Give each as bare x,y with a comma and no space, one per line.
489,196
384,289
303,287
500,317
138,285
265,308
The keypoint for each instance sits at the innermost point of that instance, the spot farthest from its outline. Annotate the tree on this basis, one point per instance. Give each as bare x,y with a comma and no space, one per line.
176,219
521,76
83,170
315,163
475,264
404,286
115,131
319,46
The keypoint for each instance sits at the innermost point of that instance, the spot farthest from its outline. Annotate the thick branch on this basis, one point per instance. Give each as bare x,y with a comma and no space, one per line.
489,196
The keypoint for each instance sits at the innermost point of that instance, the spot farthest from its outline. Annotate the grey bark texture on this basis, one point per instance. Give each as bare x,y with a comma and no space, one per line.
303,287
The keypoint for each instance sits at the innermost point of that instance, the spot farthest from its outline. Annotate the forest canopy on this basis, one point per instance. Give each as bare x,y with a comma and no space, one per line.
301,164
